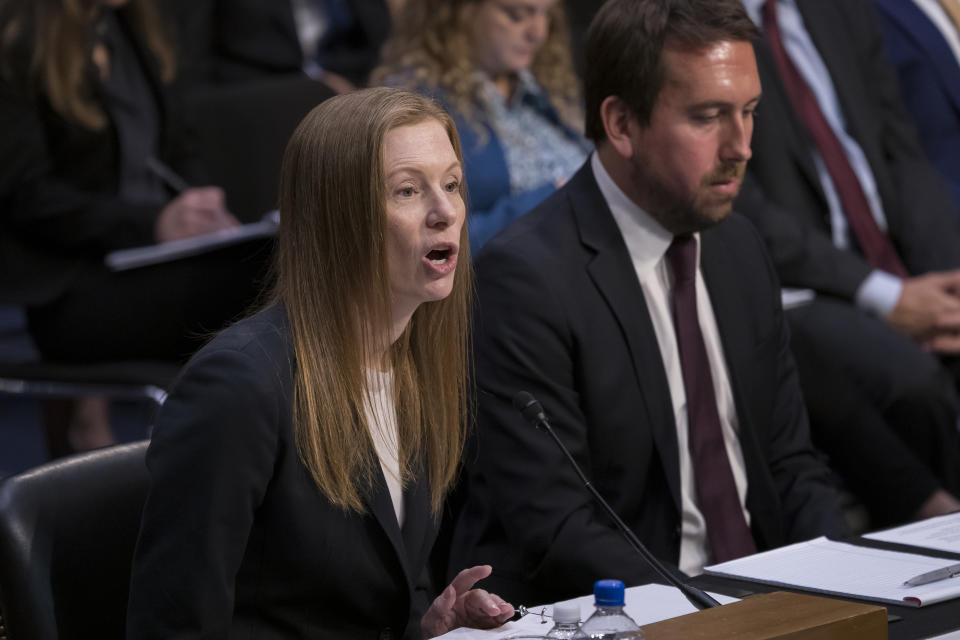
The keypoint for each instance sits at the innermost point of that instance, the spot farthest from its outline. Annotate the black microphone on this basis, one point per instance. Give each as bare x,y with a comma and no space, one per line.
532,410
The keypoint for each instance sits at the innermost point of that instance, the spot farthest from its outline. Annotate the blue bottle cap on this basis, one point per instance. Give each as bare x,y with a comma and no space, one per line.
608,593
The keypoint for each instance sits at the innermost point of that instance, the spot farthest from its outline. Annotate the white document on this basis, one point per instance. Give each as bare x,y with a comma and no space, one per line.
124,259
941,532
843,569
645,604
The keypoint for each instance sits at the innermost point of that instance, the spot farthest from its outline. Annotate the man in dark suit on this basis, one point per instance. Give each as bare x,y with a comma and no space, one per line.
850,208
647,321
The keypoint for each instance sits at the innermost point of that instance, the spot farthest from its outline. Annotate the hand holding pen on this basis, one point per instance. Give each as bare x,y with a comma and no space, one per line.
195,211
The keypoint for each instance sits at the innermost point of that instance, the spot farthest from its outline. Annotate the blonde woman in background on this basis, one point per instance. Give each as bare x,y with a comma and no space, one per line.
299,468
502,68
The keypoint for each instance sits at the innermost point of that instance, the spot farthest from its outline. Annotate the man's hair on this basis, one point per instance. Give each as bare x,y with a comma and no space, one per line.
625,42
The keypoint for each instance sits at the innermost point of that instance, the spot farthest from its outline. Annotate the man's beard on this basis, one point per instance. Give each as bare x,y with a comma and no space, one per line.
684,213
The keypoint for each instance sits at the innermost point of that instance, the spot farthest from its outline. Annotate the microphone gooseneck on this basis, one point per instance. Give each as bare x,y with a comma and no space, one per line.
532,411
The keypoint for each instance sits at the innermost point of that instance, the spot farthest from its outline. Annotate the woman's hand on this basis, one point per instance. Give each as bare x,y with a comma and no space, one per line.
461,606
195,211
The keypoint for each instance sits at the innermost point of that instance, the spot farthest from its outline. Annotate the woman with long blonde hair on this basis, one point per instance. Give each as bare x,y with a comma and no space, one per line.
299,467
503,69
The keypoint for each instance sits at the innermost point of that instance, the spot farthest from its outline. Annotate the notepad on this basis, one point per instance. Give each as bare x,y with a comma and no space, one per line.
124,259
842,569
941,533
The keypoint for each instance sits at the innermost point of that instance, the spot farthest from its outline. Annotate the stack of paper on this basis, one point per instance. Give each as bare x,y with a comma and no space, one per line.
942,533
843,569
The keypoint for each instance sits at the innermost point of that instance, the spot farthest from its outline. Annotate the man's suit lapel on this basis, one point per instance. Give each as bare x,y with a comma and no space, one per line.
732,309
611,270
926,37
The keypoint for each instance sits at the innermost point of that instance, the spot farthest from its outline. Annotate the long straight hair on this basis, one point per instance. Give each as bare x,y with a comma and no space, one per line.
47,44
332,276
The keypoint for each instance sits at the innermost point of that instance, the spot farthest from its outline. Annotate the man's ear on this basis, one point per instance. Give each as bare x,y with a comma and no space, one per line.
618,123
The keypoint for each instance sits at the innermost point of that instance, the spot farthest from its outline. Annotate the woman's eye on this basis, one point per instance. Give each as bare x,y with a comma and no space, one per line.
406,192
452,186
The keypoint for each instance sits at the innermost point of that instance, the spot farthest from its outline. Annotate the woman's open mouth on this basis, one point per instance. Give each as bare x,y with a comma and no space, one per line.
439,256
441,259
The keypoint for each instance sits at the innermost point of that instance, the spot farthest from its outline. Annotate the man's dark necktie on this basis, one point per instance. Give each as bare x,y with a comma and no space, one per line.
875,244
717,496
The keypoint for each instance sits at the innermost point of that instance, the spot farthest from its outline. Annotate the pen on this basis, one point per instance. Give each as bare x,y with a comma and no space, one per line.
167,175
934,576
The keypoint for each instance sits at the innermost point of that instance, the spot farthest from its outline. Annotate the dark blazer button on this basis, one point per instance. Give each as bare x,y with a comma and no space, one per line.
386,634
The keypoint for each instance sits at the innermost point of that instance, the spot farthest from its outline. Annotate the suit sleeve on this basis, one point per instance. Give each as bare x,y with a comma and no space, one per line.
525,343
37,205
210,461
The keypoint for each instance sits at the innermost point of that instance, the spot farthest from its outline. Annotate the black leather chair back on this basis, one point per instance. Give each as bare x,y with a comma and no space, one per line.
67,534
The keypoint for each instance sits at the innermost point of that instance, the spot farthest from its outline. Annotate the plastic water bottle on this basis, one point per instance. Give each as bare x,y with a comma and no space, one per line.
566,618
609,621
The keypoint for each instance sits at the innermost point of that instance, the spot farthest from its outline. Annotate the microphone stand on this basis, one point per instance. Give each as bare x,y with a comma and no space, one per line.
533,412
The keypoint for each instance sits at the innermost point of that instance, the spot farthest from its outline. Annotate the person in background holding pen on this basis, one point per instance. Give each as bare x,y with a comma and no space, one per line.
85,98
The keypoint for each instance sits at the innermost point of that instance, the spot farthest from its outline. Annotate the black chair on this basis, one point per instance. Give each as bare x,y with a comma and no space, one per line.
130,380
57,384
67,534
24,373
